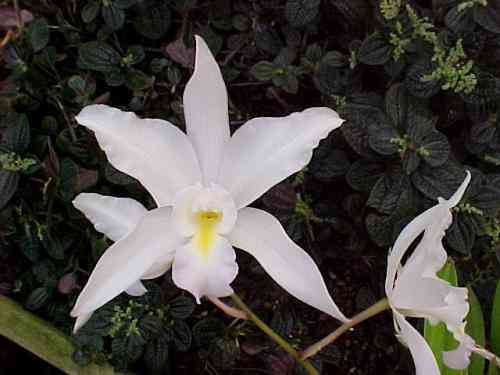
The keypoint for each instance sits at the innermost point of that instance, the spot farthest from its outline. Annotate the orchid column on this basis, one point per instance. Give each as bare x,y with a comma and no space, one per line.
202,182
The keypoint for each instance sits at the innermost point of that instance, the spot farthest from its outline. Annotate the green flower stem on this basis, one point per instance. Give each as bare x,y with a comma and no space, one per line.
274,336
373,310
43,340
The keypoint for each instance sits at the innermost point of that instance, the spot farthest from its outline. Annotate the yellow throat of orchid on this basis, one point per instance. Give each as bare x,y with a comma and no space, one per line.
205,236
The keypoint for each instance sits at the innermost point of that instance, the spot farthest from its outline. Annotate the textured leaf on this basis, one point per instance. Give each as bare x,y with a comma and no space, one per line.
375,50
16,136
207,330
90,11
156,355
396,104
462,233
436,149
488,16
363,175
264,70
137,80
388,192
153,20
300,12
459,21
328,162
38,34
181,335
437,182
414,81
181,307
37,298
99,56
113,16
8,186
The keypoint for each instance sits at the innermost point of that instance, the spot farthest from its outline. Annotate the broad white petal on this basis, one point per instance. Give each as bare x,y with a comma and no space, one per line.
137,289
425,363
161,266
114,217
206,111
265,151
434,299
126,261
459,358
434,222
260,234
154,151
205,274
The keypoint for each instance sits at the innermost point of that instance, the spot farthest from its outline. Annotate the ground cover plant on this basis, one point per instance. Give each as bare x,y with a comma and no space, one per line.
418,83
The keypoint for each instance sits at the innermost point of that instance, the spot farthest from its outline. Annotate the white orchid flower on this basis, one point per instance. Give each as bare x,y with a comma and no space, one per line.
415,290
202,182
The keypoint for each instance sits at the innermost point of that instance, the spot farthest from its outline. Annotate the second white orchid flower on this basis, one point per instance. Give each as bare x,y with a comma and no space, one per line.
415,290
202,183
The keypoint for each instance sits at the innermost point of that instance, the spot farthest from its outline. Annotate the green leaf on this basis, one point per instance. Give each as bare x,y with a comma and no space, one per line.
438,337
181,335
37,298
38,34
475,329
437,182
135,54
17,135
8,186
153,20
300,12
113,16
396,105
90,11
264,70
375,50
207,330
381,138
328,162
414,81
98,56
363,175
181,307
138,80
495,328
435,149
388,192
156,355
488,16
461,235
459,21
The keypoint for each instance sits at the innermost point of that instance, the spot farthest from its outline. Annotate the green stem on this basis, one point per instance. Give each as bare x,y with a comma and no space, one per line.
373,310
43,340
274,336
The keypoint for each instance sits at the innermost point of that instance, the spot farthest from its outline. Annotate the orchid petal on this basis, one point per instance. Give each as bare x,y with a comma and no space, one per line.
434,221
161,266
205,274
265,151
114,217
154,151
425,362
459,358
260,234
126,261
137,289
206,111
